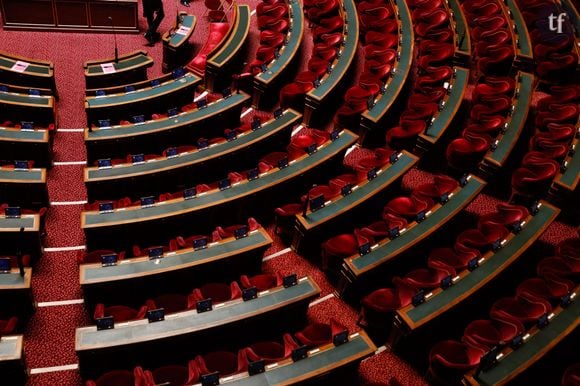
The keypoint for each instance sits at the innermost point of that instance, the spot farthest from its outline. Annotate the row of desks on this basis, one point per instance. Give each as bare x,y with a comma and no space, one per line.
241,197
316,98
267,82
189,167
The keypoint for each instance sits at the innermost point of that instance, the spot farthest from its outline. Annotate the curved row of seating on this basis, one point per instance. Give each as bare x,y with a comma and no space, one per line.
173,244
379,29
552,144
492,36
434,37
490,115
555,51
513,322
327,33
397,214
270,15
283,351
445,265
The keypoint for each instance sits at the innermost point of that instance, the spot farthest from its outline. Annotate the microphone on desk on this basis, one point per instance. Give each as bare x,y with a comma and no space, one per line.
19,252
305,207
115,38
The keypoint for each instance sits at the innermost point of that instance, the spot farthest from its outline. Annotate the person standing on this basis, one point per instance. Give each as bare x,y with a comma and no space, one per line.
153,11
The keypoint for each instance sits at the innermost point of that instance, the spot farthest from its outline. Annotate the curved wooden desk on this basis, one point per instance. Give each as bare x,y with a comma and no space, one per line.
317,97
27,72
267,83
176,47
131,68
189,167
220,205
148,137
219,66
29,145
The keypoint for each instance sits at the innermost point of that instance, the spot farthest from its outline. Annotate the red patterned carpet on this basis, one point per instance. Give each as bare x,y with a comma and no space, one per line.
49,336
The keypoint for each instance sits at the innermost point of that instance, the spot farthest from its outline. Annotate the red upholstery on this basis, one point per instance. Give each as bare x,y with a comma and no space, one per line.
225,362
95,256
8,326
119,313
262,281
428,278
171,303
545,288
506,214
217,292
495,332
571,376
483,237
123,378
457,260
462,153
379,305
217,33
408,207
176,375
525,309
534,176
449,360
318,334
271,351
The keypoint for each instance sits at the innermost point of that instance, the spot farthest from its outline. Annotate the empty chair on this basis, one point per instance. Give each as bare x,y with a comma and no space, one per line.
408,207
525,309
224,362
559,267
262,281
494,332
8,326
449,360
483,238
119,313
95,256
534,177
318,334
440,186
271,351
457,260
379,306
137,377
171,303
428,278
339,247
231,230
548,288
463,153
176,375
217,292
571,376
505,214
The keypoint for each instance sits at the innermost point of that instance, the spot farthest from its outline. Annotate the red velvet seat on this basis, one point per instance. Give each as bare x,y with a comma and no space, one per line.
402,135
272,39
420,111
331,39
494,85
426,94
274,24
176,375
324,51
262,281
456,259
425,4
322,9
230,230
557,66
339,182
119,313
462,153
8,326
425,21
335,249
137,377
284,217
525,309
224,362
482,8
494,332
498,60
571,376
381,40
449,360
428,278
171,303
217,32
559,95
271,351
273,158
292,94
328,25
558,113
558,267
375,18
318,334
487,125
378,306
569,250
434,190
272,10
490,106
217,292
534,177
547,288
408,207
318,66
505,214
432,77
483,237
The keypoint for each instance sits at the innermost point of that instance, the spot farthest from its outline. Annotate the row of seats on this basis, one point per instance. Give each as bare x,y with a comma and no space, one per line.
20,125
138,118
509,317
332,189
434,38
174,244
298,147
492,36
200,143
396,215
492,105
225,362
554,51
556,117
272,15
380,34
327,33
469,246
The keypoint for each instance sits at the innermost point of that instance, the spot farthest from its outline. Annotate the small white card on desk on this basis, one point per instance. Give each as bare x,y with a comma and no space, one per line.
20,66
182,30
108,68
